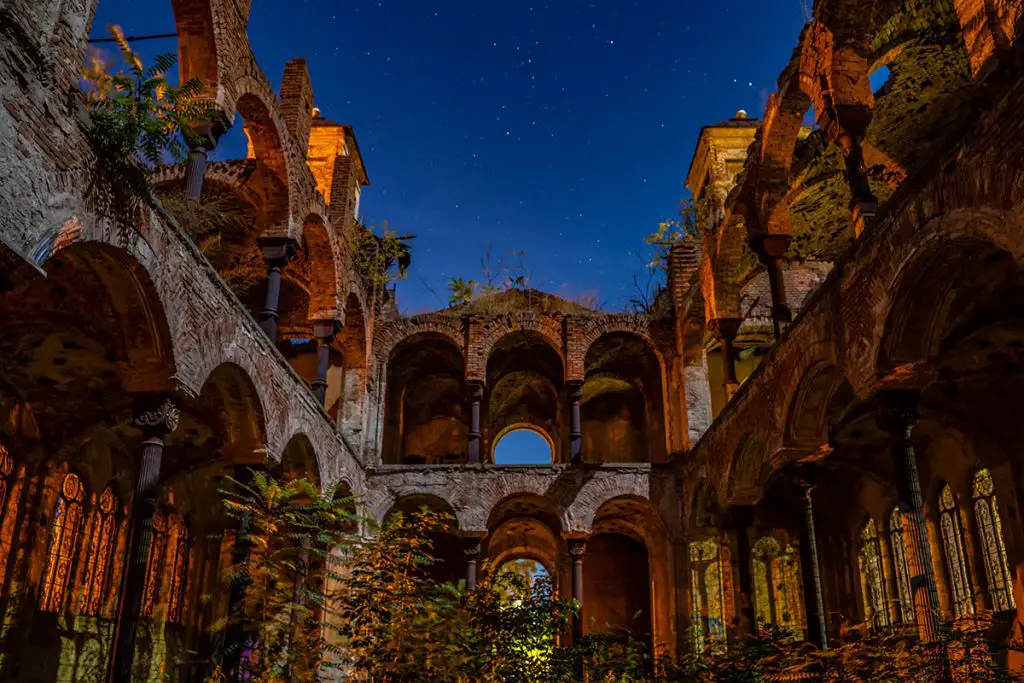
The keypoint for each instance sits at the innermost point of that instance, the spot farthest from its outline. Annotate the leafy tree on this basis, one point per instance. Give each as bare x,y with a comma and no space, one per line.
383,258
379,617
289,528
139,121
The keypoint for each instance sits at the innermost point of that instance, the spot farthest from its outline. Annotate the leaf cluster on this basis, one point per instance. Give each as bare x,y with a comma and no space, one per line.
496,277
687,222
291,535
381,258
320,598
139,121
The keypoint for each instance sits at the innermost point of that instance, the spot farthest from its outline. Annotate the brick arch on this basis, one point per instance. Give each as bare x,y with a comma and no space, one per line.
767,180
654,433
635,517
391,334
808,420
522,426
721,268
244,408
919,319
270,143
476,506
198,54
745,475
589,330
547,328
411,497
578,516
130,273
635,328
319,247
299,458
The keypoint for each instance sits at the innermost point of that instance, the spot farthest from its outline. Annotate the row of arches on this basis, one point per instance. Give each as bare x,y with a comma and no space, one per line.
627,568
86,353
428,403
64,553
973,571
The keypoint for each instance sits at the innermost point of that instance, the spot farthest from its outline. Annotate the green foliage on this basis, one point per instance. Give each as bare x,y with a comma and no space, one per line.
381,259
502,276
378,616
289,528
688,222
139,121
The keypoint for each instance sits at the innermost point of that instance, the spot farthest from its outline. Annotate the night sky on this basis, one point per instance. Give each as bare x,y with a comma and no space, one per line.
563,130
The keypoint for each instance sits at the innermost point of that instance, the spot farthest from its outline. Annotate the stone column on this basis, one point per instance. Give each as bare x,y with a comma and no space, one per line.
899,414
299,612
726,329
577,547
863,203
202,141
742,519
476,395
156,416
809,548
277,252
324,331
575,388
471,548
770,250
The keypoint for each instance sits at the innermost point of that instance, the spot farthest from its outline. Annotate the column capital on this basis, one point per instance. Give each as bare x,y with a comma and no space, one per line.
844,120
475,388
770,246
575,389
277,250
326,329
577,546
725,328
472,542
204,135
157,415
899,410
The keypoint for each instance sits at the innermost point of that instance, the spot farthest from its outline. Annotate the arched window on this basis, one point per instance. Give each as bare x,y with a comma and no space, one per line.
522,447
707,588
155,564
990,528
179,572
872,576
100,562
60,555
777,591
956,560
898,541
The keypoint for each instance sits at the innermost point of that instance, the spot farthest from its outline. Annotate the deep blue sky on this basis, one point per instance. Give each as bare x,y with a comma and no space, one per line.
563,129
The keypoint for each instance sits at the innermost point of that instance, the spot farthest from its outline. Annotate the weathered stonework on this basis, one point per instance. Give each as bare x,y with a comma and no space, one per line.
904,220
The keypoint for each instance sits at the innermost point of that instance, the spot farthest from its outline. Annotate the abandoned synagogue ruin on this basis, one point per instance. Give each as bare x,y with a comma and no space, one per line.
816,427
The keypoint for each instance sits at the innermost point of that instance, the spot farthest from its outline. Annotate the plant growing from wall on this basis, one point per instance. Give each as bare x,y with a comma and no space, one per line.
649,280
139,121
495,277
381,258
